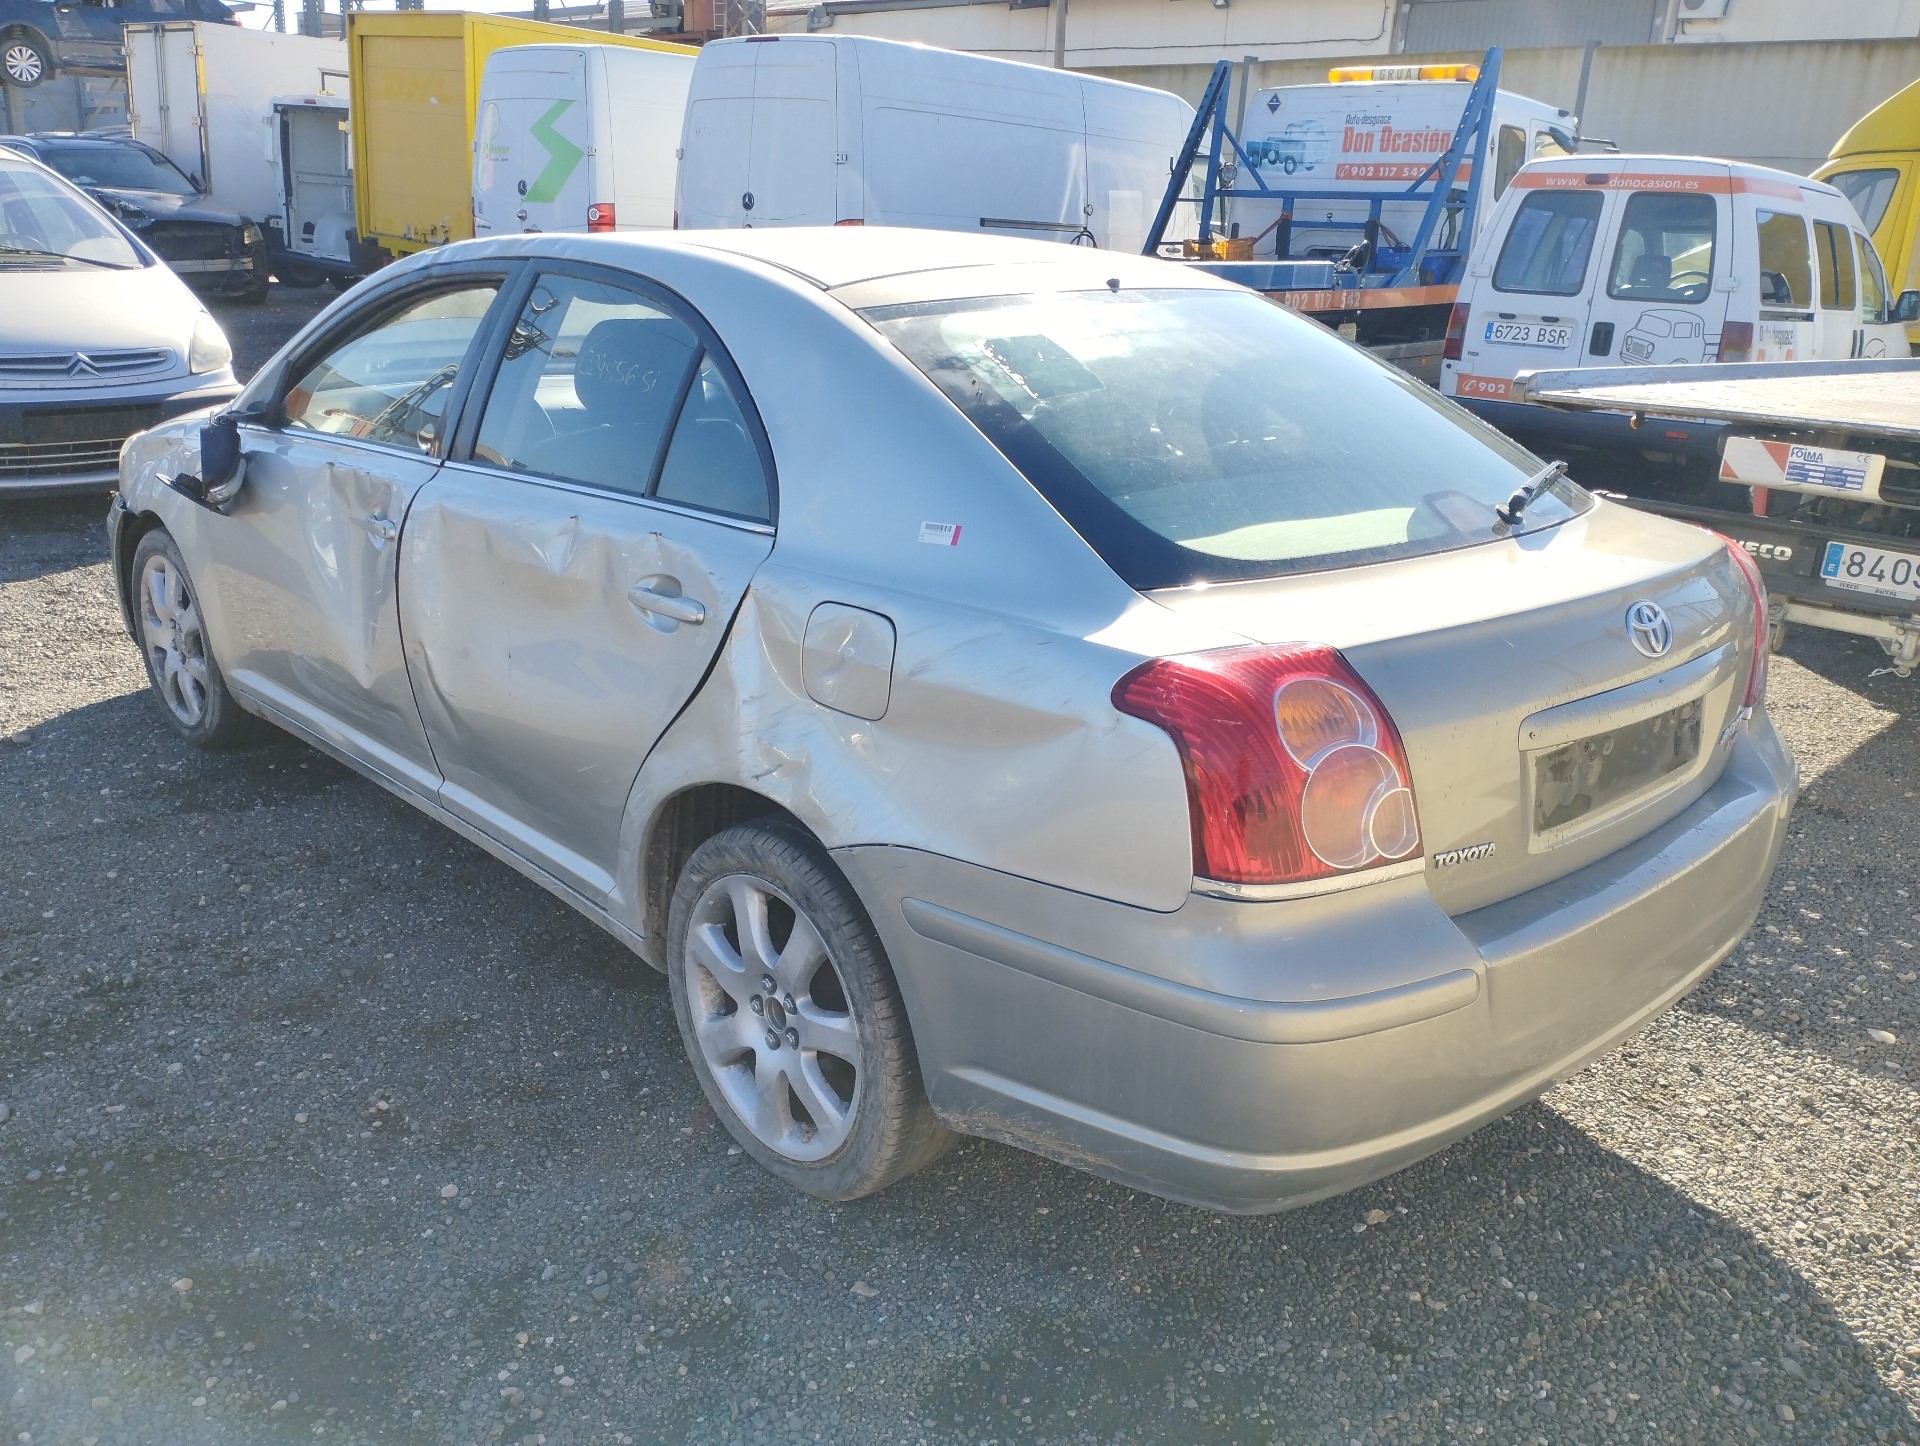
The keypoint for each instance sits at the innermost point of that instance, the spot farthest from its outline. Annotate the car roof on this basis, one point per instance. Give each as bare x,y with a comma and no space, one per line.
834,257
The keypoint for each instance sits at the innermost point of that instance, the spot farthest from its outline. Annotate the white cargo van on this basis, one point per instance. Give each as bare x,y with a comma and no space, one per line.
201,94
577,138
802,130
313,241
1657,260
1375,128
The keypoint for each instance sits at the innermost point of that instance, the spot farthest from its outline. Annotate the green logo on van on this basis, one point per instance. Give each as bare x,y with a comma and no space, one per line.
562,156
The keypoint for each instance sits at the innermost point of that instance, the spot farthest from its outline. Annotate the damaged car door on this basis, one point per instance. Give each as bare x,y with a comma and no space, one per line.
303,569
571,573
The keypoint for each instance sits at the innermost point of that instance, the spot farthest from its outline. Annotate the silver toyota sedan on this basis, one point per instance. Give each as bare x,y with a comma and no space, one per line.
1009,690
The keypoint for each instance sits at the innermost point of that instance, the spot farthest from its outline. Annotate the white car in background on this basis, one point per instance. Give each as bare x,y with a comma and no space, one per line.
98,339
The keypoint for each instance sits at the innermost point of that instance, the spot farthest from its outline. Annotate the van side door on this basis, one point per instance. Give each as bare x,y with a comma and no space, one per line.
1880,336
1658,294
1784,249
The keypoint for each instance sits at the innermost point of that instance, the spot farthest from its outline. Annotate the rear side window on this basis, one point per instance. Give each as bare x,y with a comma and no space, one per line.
1870,191
1786,278
1835,246
1201,436
1547,246
1873,281
1665,250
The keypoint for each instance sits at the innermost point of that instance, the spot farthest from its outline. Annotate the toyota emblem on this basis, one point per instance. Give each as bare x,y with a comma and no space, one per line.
1649,629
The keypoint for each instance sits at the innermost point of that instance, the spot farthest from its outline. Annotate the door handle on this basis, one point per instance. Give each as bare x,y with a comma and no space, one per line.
649,596
383,528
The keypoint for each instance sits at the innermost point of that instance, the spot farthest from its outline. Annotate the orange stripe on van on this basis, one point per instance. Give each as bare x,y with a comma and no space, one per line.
1710,185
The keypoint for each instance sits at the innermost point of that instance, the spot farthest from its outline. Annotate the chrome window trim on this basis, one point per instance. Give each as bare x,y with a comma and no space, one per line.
1309,888
587,489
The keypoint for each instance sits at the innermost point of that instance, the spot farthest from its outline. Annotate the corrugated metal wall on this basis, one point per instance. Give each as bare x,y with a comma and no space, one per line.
1476,24
1774,104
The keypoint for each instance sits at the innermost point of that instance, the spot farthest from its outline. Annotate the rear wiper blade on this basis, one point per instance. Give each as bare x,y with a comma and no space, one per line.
1509,511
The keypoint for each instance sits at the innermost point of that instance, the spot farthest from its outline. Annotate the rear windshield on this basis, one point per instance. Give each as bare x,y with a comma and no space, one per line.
1548,244
1204,436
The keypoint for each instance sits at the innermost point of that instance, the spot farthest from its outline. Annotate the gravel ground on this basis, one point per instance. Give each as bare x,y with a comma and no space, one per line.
319,1123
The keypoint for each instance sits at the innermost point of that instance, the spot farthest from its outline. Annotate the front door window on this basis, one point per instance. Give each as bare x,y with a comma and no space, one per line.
390,383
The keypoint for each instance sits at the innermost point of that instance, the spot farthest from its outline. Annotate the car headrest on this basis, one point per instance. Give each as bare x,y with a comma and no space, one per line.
1653,271
629,367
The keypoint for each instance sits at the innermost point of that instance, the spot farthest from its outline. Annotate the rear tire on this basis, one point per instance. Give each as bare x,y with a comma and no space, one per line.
172,636
25,59
815,1076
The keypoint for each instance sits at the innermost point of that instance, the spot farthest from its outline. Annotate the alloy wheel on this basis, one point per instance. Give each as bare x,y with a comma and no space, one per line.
771,1017
23,63
174,638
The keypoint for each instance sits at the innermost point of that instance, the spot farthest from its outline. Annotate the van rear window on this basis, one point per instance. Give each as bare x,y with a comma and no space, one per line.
1547,246
1665,250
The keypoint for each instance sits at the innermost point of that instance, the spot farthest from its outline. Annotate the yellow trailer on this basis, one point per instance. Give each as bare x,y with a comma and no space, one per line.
414,78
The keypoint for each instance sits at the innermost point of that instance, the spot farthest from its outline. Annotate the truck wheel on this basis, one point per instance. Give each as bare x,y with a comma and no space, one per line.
25,59
254,294
1289,164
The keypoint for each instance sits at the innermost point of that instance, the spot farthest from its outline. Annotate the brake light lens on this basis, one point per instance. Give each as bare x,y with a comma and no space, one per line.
1736,341
1762,623
600,216
1294,770
850,221
1456,332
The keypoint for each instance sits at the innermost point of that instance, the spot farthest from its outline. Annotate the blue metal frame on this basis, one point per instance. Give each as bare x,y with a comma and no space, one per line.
1435,185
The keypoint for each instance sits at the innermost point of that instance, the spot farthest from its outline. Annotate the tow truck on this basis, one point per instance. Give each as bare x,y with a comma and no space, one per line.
1425,149
1826,457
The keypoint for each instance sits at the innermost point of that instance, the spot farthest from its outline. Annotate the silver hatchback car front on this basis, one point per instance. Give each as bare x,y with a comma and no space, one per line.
1052,697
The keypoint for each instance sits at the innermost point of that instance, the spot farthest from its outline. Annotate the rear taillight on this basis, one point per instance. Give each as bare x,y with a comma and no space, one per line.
850,221
1736,341
600,216
1456,332
1294,770
1762,623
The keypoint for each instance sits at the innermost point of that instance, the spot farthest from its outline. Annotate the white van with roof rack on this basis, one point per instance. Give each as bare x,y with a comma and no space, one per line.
1656,261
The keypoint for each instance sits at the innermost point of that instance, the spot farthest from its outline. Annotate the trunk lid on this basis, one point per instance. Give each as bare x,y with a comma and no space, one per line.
1540,738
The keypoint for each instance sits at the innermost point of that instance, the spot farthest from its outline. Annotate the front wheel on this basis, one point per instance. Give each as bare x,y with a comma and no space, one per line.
25,59
791,1015
172,635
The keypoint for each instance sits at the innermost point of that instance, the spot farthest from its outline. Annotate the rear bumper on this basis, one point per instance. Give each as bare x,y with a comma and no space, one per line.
1603,431
1252,1057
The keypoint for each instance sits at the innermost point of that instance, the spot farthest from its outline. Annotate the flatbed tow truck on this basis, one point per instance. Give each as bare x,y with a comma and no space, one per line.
1826,457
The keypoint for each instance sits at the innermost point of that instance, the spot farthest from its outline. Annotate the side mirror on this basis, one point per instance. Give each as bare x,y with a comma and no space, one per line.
222,465
1907,308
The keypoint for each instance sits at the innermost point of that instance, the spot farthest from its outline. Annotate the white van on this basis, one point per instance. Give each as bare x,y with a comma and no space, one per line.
1656,261
577,138
804,130
314,166
1363,132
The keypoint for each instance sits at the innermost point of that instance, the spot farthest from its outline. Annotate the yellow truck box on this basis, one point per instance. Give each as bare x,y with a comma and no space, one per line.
414,78
1877,165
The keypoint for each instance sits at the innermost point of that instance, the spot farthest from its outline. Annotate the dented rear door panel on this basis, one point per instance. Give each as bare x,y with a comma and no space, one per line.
541,684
